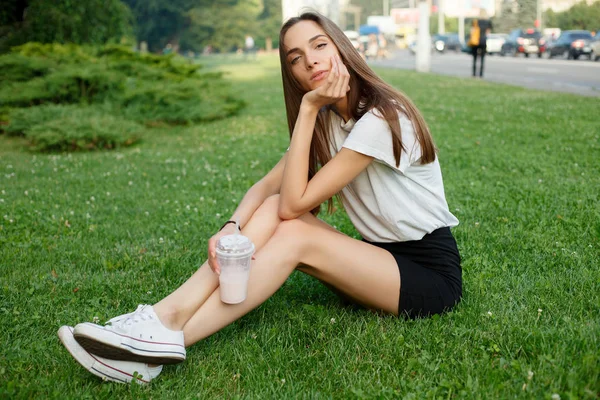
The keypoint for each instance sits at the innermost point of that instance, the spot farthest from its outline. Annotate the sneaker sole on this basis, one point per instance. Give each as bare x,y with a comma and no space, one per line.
115,346
91,363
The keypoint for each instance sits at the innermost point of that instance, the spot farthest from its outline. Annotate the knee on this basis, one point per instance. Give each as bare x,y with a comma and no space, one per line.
292,231
269,207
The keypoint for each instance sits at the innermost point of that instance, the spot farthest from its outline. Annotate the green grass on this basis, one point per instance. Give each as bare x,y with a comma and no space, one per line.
85,235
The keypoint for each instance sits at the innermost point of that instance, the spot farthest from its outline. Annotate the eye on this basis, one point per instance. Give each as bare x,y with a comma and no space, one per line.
321,45
295,60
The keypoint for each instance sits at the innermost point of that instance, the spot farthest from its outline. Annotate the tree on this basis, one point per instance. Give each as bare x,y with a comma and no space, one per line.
369,7
65,21
580,16
450,24
516,14
269,22
224,28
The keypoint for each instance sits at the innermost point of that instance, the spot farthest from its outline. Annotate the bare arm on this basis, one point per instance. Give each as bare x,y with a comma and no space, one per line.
269,185
298,195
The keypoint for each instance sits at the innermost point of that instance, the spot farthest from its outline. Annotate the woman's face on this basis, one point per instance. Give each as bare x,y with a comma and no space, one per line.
308,54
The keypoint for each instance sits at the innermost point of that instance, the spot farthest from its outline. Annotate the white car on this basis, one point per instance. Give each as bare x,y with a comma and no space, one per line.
494,42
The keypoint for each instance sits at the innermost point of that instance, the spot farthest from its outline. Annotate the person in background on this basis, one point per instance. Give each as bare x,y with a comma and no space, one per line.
249,49
481,27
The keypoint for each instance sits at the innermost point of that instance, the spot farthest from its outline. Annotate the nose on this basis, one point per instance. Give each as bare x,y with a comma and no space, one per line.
311,61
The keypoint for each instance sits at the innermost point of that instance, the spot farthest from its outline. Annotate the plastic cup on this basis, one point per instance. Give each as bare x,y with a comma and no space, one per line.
234,253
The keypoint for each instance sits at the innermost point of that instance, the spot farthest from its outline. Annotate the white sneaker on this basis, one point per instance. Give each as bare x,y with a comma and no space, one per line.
137,336
110,370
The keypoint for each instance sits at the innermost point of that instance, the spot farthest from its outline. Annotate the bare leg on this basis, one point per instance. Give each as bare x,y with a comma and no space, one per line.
364,272
178,307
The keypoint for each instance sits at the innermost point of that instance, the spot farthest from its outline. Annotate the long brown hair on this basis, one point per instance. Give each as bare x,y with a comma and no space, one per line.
367,91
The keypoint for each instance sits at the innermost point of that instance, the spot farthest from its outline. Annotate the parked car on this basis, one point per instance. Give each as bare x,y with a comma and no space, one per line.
444,42
525,41
494,42
595,45
572,45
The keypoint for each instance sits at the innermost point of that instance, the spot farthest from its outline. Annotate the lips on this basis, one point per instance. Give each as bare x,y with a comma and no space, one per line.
317,76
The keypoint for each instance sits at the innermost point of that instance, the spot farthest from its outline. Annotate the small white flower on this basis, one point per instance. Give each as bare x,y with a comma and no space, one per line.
332,320
149,292
283,381
71,212
529,375
95,320
147,213
555,396
88,216
201,198
92,198
161,240
108,193
539,310
26,193
130,183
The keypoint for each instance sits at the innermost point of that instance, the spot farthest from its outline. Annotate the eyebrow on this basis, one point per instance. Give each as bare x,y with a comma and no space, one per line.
312,39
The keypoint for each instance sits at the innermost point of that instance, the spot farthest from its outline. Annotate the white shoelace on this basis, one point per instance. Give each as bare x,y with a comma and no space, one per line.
140,314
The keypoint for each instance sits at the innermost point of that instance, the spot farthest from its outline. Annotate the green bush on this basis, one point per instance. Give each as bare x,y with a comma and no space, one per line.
18,68
179,103
60,53
126,88
20,120
85,129
70,84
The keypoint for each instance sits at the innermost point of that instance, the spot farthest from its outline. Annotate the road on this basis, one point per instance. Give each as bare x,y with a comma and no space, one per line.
573,76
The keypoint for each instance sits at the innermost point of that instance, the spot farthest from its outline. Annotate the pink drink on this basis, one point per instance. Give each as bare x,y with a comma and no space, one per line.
234,253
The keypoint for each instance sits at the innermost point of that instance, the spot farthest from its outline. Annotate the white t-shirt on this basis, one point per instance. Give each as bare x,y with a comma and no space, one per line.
384,202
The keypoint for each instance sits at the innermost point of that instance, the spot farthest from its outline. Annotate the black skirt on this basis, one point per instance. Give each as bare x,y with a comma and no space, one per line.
430,273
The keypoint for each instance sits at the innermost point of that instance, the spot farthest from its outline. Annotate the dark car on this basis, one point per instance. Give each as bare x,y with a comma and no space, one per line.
572,45
524,41
444,42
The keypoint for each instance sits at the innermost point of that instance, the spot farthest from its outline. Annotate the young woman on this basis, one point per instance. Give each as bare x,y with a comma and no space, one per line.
375,150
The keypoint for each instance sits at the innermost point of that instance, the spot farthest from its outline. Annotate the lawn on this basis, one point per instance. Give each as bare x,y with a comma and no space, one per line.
87,235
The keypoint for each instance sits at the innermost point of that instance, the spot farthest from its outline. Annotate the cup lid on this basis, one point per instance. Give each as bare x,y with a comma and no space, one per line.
235,244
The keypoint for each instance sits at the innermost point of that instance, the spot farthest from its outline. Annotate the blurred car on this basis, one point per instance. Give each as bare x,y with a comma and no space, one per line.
524,41
413,47
494,42
595,45
571,45
444,42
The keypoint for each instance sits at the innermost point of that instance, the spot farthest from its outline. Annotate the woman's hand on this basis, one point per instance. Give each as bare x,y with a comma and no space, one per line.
228,229
333,90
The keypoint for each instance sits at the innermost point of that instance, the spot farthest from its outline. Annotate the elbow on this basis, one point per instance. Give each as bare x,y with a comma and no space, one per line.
286,213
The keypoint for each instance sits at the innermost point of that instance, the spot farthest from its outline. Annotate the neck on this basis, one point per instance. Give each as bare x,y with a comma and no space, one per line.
341,107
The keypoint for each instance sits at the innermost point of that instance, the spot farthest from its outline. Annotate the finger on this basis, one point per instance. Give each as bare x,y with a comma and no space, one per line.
332,72
341,83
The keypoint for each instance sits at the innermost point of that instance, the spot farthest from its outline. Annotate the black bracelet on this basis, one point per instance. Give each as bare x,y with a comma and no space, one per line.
226,223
